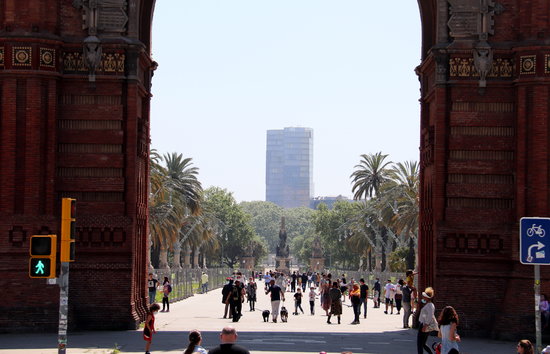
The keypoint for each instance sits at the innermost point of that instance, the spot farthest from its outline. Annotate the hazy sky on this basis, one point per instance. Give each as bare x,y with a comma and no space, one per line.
231,69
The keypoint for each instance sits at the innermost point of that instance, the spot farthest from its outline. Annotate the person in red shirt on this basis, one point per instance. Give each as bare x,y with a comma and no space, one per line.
149,328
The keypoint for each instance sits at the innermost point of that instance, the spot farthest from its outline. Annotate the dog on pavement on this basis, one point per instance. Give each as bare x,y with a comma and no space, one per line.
284,314
265,315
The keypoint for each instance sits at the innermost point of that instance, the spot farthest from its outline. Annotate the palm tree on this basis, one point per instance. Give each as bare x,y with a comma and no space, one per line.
175,195
406,199
184,181
369,175
368,178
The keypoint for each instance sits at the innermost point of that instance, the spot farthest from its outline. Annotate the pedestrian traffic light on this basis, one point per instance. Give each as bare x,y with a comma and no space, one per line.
68,231
43,251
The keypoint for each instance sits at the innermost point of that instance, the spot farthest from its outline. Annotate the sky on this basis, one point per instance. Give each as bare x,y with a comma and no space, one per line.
229,70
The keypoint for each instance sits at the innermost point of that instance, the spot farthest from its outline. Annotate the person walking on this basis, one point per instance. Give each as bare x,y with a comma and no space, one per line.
427,320
298,301
225,293
267,279
343,286
251,289
376,296
304,281
228,338
152,284
276,296
166,290
355,299
149,328
325,297
204,282
312,296
448,321
195,341
364,288
235,299
336,302
293,281
389,293
406,302
398,295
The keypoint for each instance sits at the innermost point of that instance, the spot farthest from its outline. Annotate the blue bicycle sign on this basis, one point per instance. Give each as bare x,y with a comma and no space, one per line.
536,230
534,246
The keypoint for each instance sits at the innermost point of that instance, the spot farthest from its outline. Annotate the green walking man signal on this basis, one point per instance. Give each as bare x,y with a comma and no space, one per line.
39,267
43,251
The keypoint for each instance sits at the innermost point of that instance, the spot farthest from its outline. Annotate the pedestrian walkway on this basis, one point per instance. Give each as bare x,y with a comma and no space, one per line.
379,333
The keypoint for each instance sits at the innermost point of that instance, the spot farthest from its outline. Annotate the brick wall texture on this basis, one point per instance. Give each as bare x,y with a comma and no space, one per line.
484,158
62,135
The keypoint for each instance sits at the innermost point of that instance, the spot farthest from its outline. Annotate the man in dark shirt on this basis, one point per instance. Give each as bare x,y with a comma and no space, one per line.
293,282
407,291
276,296
235,300
228,338
225,292
304,281
377,290
364,295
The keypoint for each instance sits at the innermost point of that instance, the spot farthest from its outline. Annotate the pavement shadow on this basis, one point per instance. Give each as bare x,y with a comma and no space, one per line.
303,342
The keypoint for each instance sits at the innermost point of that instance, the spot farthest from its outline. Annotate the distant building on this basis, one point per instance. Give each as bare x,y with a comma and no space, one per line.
329,201
289,167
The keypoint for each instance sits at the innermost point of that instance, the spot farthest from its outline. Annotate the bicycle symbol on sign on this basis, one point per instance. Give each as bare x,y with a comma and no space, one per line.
536,230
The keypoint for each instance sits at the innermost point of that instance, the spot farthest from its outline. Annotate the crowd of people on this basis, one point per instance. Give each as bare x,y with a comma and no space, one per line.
332,292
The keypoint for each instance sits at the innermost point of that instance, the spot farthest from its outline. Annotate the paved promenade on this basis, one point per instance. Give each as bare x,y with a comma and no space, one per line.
379,333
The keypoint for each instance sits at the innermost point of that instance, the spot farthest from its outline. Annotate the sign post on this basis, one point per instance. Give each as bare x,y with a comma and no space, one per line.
63,307
535,250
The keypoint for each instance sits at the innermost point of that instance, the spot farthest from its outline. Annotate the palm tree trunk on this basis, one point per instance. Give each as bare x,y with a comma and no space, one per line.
163,257
196,258
187,257
176,264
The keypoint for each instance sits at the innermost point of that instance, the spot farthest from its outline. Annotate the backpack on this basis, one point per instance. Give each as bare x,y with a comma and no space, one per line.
169,288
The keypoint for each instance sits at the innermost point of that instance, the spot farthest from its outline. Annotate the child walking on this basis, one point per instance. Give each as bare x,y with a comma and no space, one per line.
149,328
298,301
312,296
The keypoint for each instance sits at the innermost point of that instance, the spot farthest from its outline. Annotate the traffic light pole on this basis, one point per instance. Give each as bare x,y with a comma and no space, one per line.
63,283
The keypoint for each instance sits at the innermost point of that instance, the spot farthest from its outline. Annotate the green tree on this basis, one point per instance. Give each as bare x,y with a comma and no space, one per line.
398,260
266,220
238,233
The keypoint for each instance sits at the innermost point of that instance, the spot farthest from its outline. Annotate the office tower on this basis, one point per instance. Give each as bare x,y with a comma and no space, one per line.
289,167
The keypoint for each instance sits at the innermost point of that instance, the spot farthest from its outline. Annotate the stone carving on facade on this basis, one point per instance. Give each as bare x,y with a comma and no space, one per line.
474,20
466,68
283,250
483,62
471,19
92,55
103,16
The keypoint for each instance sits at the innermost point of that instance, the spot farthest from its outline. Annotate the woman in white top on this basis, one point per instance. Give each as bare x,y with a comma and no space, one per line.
427,320
448,320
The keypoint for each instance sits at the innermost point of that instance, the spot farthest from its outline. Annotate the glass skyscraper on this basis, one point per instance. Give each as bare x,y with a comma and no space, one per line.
289,167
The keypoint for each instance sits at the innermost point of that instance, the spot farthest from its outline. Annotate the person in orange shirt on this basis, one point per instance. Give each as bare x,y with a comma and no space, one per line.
355,298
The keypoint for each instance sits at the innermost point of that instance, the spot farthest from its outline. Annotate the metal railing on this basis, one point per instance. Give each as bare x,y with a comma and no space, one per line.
187,282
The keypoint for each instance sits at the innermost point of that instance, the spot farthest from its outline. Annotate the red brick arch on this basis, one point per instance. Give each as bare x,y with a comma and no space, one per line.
483,155
64,136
